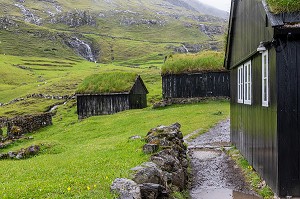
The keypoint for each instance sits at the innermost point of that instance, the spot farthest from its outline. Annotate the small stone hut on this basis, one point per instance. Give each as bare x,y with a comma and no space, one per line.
109,93
195,76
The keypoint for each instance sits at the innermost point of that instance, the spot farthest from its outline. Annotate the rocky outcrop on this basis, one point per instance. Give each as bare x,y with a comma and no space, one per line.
126,21
6,23
76,18
167,170
22,153
211,30
29,16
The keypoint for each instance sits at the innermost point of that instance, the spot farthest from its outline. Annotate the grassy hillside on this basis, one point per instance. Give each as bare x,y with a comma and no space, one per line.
117,31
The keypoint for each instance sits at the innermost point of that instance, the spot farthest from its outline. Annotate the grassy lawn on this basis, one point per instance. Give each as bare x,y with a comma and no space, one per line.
80,159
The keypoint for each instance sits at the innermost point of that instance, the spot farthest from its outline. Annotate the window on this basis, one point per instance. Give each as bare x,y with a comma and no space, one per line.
265,79
247,83
240,85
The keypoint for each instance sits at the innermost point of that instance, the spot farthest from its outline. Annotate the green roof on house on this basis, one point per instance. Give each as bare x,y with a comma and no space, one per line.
283,6
206,61
108,82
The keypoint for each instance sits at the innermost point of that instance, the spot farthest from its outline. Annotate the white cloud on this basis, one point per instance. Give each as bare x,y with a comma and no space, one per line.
220,4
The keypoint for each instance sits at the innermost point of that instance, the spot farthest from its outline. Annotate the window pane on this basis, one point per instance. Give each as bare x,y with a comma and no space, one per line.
265,89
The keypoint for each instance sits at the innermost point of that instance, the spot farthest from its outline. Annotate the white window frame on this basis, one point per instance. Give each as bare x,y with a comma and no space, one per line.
247,83
265,79
240,86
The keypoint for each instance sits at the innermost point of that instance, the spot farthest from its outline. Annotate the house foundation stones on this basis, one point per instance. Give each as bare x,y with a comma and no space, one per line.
167,170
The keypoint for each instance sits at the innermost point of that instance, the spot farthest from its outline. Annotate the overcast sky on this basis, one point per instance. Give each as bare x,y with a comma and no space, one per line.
220,4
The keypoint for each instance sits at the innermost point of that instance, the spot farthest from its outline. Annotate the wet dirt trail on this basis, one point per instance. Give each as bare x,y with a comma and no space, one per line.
215,175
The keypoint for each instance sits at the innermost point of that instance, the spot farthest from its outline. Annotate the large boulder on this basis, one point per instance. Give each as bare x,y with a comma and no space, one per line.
126,189
153,191
148,172
15,131
166,160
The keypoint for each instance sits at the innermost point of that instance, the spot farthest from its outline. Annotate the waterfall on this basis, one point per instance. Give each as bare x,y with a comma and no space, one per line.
82,48
187,50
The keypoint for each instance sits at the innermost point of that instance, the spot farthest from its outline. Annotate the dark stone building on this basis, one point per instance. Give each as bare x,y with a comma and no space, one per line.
263,55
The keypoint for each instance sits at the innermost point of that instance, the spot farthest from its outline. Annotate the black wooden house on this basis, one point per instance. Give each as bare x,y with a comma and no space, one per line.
195,76
197,84
109,93
263,55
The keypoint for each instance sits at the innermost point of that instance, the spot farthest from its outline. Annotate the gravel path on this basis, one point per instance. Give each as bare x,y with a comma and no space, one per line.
215,174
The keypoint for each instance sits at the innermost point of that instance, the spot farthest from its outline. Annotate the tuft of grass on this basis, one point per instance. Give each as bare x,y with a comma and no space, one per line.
189,63
280,6
251,175
109,82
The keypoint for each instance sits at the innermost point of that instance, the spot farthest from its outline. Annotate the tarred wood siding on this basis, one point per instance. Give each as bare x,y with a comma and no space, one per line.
211,84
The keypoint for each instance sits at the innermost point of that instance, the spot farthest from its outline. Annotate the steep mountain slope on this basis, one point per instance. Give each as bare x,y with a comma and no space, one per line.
108,30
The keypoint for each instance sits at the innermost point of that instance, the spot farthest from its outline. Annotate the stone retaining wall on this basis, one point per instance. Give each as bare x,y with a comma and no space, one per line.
28,123
170,101
166,172
3,122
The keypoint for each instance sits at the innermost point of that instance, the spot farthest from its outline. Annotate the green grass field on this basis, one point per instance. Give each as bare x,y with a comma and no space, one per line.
86,156
80,159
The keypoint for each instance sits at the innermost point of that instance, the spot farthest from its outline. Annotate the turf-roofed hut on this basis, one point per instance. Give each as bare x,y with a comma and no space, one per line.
263,55
109,93
195,75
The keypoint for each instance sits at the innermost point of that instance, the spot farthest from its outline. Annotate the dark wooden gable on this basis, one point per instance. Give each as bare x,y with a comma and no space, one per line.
248,26
139,87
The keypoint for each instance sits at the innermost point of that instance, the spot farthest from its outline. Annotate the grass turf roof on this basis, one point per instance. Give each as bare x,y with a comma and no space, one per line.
109,82
281,6
191,63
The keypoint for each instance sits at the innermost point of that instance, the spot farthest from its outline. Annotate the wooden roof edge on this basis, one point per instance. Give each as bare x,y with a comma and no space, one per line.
196,72
98,94
281,19
142,82
229,34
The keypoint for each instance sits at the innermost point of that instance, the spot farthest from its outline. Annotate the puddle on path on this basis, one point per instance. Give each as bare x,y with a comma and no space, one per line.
217,177
215,174
221,194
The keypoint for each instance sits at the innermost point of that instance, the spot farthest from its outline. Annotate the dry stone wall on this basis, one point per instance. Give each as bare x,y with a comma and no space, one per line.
166,172
25,124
